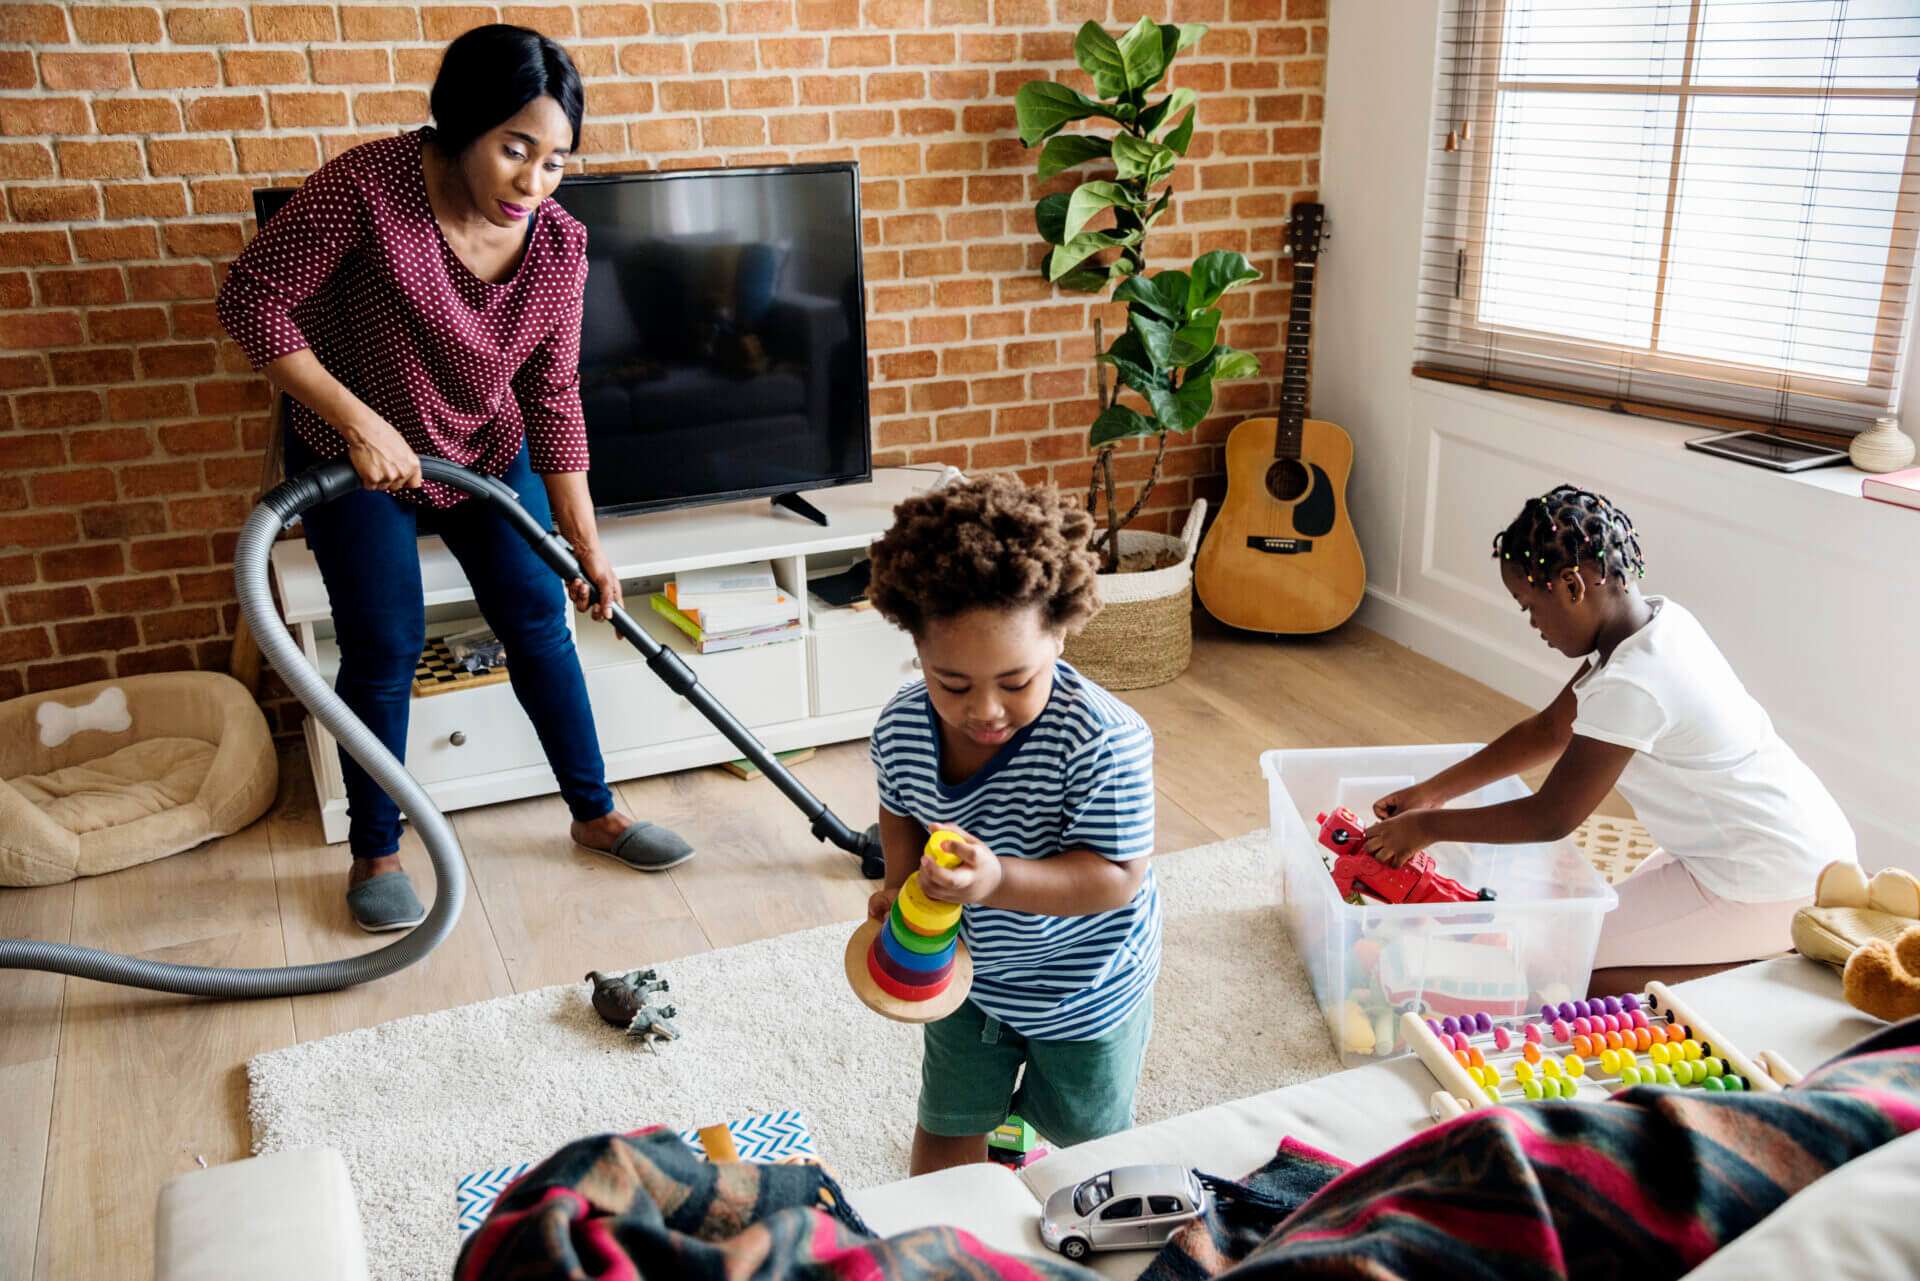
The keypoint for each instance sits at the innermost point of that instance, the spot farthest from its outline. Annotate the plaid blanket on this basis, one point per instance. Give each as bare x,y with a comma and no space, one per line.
1646,1185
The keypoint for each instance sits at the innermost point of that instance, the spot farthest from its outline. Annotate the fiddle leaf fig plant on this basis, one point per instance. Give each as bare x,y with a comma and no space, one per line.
1170,354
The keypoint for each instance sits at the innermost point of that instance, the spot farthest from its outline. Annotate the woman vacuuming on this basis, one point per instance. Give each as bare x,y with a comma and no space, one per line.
422,295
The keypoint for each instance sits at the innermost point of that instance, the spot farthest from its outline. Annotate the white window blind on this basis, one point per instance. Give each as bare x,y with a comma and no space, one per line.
1693,209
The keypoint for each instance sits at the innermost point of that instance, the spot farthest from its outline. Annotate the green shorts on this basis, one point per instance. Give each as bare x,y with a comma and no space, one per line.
1072,1091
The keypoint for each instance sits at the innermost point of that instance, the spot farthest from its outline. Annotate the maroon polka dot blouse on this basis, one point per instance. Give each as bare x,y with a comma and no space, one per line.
354,266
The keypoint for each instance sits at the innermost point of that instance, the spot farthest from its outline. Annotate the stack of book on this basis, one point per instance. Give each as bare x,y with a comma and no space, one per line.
734,607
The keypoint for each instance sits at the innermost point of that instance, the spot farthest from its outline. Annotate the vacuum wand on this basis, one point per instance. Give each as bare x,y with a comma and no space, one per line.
665,664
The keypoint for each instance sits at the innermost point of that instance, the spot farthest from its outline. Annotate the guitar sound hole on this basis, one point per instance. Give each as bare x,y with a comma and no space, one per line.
1288,479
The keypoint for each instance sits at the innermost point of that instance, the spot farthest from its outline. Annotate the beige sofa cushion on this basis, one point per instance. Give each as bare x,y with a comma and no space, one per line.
290,1216
185,757
989,1201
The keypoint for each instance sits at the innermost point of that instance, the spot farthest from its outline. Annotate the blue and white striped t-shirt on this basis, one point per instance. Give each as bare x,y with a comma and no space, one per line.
1079,777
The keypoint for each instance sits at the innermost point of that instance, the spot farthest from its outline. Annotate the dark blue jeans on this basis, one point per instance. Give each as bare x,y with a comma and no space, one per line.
365,546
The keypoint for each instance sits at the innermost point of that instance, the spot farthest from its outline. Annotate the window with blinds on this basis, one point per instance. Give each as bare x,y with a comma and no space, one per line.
1702,210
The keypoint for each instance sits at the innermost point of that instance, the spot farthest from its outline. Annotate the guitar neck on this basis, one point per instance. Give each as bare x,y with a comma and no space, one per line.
1296,370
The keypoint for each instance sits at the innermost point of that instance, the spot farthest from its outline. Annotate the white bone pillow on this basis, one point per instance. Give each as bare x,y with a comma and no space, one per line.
106,713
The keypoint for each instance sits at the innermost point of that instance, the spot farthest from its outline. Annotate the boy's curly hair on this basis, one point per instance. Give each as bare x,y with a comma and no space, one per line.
990,543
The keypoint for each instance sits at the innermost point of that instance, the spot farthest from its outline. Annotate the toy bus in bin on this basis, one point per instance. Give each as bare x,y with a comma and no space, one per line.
1453,976
1357,873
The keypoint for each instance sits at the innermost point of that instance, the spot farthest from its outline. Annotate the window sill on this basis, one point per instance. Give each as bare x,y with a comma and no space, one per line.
1665,442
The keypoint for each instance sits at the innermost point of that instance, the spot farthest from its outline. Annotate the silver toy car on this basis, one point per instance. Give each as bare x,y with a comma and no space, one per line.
1136,1207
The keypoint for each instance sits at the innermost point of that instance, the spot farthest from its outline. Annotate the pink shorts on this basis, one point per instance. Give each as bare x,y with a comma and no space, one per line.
1666,917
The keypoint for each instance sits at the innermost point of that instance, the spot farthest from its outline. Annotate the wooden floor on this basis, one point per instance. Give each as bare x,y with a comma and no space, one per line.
106,1093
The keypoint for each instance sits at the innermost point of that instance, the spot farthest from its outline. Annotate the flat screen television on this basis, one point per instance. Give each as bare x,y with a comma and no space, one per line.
723,349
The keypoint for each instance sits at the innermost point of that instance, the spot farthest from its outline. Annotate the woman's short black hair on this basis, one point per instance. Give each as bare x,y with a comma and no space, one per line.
1567,526
490,73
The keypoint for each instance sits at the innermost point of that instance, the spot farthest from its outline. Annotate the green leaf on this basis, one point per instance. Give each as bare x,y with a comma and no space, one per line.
1166,109
1155,335
1193,342
1159,207
1050,216
1164,294
1178,39
1215,273
1144,55
1085,282
1064,151
1100,58
1229,363
1088,199
1117,422
1120,268
1043,108
1075,251
1182,136
1135,158
1195,399
1166,408
1132,363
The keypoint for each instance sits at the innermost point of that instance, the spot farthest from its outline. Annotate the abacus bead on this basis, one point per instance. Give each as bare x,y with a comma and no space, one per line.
1548,1014
1569,1088
1583,1025
1683,1073
1714,1066
1663,1074
1659,1053
1582,1044
1502,1039
1610,1062
1576,1066
1561,1031
1613,1022
1533,1090
1714,1083
1616,1041
1611,1004
1676,1031
1642,1039
1457,1040
1482,1022
1735,1081
1630,1002
1566,1011
1531,1052
1532,1033
1549,1087
1638,1018
1629,1076
1493,1094
1433,1025
1450,1025
1461,1055
1475,1057
1550,1066
1523,1071
1691,1048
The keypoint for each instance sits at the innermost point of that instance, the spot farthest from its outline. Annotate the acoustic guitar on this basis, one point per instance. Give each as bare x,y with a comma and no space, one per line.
1282,556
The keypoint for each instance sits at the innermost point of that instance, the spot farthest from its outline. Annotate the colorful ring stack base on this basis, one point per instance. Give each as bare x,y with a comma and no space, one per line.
912,967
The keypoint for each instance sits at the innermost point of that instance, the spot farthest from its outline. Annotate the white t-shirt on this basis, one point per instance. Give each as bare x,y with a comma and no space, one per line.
1710,778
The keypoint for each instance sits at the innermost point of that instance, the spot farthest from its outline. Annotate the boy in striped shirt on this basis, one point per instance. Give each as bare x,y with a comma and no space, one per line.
1048,781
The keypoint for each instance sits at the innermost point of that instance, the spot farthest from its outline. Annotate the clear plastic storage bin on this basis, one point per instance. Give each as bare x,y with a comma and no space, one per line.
1534,942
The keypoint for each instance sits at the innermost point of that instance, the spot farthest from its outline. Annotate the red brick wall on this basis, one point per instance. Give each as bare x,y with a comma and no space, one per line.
131,136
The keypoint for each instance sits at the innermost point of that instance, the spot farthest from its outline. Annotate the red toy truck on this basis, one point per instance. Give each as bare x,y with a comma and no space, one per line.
1357,872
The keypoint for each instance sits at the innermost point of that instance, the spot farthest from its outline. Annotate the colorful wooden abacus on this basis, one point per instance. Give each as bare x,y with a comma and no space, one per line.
912,967
1581,1049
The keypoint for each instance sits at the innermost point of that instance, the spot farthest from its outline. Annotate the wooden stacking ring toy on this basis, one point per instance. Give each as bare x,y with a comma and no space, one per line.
913,967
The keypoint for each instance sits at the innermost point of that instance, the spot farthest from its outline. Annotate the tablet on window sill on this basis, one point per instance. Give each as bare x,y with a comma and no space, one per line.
1774,452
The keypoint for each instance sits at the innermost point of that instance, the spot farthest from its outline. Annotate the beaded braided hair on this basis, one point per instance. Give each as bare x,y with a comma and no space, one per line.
1565,527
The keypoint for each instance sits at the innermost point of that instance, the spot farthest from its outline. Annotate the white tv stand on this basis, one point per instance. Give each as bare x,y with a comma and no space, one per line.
475,746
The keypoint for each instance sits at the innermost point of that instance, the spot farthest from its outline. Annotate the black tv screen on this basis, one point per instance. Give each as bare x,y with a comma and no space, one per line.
723,353
723,350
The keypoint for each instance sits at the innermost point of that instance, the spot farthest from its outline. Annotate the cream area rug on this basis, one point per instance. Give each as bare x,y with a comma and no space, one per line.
415,1104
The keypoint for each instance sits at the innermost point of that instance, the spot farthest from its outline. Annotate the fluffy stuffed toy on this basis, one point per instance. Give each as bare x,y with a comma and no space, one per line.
1867,930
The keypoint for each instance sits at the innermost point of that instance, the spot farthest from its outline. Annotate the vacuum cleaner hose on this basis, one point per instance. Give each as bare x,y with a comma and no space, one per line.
251,555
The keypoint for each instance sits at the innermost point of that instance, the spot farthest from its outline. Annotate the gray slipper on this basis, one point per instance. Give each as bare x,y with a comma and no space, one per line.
646,847
385,902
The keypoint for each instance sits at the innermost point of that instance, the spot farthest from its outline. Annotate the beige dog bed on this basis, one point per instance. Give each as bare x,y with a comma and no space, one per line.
104,776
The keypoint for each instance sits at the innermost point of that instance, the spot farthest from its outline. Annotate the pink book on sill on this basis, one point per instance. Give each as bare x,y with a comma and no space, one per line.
1899,487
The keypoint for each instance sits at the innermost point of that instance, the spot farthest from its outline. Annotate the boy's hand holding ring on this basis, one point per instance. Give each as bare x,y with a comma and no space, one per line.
975,879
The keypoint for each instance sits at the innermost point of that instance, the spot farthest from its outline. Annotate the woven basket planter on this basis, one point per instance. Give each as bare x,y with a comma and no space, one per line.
1143,634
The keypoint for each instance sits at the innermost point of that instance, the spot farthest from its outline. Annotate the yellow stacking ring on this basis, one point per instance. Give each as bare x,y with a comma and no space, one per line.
937,848
921,913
